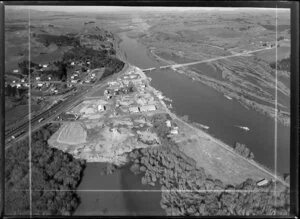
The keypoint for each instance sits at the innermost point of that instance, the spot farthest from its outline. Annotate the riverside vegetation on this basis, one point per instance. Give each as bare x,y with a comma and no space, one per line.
187,190
52,171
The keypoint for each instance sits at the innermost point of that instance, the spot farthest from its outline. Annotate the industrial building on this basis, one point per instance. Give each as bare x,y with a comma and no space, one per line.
101,108
147,108
134,109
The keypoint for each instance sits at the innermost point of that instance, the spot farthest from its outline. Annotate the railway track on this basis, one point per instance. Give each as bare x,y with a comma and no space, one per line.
54,111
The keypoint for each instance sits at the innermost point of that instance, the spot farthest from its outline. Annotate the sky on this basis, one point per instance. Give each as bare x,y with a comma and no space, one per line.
124,8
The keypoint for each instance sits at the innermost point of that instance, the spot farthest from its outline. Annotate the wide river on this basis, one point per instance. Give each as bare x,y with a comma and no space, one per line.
207,106
120,193
111,195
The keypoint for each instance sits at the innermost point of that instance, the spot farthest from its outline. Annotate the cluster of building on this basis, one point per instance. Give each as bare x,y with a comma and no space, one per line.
127,84
82,67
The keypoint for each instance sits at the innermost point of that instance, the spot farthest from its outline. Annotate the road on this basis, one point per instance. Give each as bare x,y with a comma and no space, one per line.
207,60
54,82
56,110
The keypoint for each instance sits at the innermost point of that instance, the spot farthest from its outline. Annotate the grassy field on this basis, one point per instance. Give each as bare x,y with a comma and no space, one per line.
218,159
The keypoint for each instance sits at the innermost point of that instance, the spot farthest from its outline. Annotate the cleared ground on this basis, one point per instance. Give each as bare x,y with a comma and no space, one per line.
72,133
108,135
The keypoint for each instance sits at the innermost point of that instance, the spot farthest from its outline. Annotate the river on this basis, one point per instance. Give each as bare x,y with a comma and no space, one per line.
118,193
202,104
207,106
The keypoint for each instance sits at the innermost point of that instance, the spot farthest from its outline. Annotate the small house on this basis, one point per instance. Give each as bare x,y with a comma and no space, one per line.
148,108
174,131
134,109
16,71
101,108
168,123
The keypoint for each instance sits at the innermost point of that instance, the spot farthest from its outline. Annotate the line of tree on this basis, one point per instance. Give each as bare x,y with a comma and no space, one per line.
52,170
98,59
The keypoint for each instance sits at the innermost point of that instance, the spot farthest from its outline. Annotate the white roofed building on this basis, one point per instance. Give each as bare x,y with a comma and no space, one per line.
134,109
168,123
101,108
147,108
174,131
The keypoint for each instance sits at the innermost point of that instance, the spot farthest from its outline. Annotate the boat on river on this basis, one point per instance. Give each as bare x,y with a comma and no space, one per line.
245,128
204,126
228,97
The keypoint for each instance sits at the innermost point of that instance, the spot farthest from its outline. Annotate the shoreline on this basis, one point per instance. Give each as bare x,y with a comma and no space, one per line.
265,110
228,148
217,141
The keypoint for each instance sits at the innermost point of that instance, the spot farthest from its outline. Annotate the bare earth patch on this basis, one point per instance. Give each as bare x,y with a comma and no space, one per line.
72,133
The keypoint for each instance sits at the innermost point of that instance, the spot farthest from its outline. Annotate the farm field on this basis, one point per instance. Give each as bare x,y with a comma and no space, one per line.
250,78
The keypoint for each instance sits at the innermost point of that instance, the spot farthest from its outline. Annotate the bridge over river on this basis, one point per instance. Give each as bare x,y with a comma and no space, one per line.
246,53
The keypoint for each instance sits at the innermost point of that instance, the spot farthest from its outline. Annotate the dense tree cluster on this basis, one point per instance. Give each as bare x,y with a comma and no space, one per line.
284,64
61,40
185,187
59,73
24,66
98,59
159,124
15,92
243,150
51,170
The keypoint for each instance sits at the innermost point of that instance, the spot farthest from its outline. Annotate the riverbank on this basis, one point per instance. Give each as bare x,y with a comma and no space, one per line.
216,157
234,92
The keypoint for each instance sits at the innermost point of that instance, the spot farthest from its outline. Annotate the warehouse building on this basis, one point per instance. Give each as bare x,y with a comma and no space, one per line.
148,108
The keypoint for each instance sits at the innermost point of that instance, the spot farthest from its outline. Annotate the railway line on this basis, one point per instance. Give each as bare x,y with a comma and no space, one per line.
56,110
